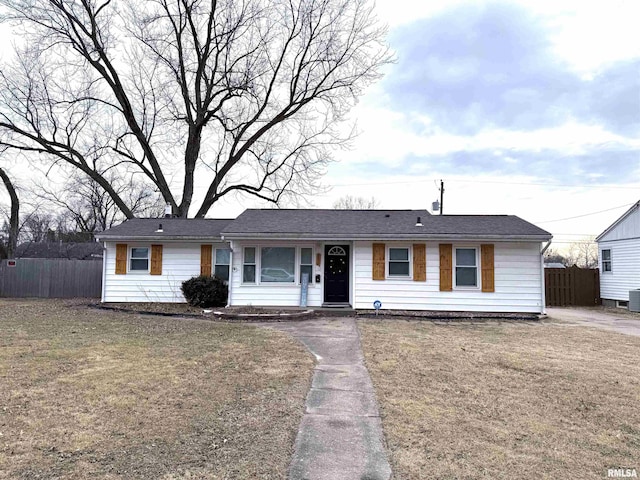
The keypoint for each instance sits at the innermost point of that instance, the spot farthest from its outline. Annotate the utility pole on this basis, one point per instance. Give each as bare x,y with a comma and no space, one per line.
441,195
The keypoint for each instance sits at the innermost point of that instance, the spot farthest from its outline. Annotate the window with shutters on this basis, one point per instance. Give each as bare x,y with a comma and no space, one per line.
222,261
139,259
399,262
466,266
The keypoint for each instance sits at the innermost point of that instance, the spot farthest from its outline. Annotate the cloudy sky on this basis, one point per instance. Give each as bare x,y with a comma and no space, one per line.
521,107
525,108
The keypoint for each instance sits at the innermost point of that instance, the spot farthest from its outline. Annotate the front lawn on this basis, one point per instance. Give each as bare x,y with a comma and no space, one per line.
505,400
97,394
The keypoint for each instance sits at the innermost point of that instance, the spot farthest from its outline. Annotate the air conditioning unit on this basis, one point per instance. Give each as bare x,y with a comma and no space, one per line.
634,300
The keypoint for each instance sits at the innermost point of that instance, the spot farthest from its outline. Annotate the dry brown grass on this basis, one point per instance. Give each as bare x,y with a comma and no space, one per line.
96,394
506,400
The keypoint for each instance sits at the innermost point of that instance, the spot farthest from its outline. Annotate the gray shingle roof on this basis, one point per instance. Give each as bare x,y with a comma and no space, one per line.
171,228
321,224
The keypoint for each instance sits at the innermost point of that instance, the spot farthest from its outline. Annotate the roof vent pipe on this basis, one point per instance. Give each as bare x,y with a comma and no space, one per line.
168,211
159,230
419,223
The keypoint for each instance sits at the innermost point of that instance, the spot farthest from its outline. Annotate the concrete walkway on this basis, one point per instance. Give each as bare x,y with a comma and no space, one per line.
340,436
622,322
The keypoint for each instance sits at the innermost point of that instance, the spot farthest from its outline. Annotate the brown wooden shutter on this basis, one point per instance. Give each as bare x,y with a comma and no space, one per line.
205,260
121,258
378,261
419,262
446,267
156,260
488,271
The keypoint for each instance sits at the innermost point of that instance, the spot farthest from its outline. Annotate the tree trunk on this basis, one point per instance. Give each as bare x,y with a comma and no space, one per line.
13,219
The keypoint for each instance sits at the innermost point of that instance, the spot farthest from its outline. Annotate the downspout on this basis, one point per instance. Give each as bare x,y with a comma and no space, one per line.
230,271
104,271
542,281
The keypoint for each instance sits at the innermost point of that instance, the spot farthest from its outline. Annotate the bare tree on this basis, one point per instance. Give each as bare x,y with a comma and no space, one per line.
240,96
583,253
85,208
355,203
13,216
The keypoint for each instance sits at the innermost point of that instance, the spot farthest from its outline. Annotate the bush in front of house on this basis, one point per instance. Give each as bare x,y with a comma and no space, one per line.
205,291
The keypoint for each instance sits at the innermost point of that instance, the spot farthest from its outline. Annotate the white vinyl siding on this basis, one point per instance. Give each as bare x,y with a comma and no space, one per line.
180,262
625,271
273,293
518,283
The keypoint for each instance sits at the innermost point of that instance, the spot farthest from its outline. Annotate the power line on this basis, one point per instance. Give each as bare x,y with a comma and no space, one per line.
586,214
544,184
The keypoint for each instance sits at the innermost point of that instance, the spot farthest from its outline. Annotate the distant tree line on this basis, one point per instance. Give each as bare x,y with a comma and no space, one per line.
583,254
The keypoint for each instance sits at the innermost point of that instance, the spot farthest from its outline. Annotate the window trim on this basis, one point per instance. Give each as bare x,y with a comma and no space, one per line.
409,261
129,258
477,266
298,259
214,262
299,265
295,262
609,261
255,264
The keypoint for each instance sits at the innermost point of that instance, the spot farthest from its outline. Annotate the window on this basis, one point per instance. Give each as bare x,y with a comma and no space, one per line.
466,267
606,260
249,265
221,269
398,262
306,263
139,259
278,265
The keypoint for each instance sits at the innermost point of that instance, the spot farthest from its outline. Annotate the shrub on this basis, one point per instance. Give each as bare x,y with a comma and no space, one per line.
205,291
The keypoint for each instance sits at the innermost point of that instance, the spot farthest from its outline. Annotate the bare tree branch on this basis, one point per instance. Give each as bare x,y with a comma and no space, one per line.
205,98
14,216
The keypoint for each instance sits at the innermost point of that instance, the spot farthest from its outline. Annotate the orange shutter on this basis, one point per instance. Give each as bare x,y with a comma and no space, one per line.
446,267
419,262
488,271
156,260
378,261
121,258
205,260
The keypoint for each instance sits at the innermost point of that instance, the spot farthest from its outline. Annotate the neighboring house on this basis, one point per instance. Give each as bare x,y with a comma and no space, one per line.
406,259
554,265
78,251
619,258
146,260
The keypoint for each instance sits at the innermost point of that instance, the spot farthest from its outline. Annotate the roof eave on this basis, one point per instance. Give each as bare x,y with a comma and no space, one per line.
620,219
137,238
394,236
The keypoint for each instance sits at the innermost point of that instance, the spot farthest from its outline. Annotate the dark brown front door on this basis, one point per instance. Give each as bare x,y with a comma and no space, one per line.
336,273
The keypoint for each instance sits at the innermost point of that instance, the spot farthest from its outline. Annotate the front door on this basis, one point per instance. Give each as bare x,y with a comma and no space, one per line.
336,273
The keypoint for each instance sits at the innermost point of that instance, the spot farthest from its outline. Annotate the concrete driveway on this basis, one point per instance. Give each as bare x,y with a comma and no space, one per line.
620,321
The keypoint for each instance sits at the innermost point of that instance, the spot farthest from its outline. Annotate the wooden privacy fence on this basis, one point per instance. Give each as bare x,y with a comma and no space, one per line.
51,278
573,286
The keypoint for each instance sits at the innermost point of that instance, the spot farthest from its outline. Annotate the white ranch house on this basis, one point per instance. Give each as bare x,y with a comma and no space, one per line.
619,258
406,259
